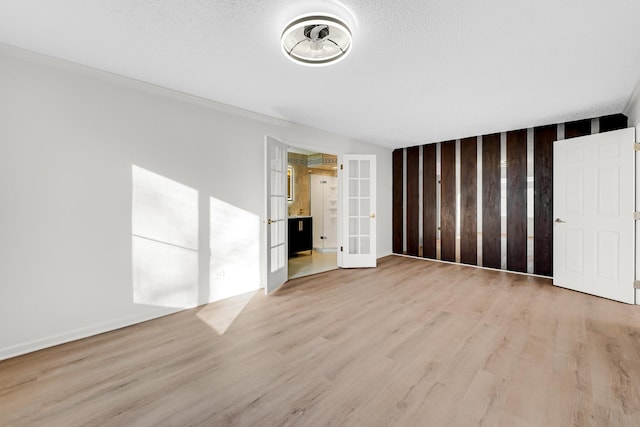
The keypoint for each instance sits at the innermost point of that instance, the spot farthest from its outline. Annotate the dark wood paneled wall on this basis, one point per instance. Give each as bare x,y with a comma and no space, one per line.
517,252
517,200
577,128
543,138
468,201
413,200
398,185
613,122
429,201
491,227
448,201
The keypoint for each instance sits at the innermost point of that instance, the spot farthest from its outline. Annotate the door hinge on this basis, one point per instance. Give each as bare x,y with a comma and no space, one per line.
636,215
636,147
342,166
636,284
340,248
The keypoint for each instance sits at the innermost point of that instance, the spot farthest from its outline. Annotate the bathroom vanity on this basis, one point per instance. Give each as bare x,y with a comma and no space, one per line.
300,234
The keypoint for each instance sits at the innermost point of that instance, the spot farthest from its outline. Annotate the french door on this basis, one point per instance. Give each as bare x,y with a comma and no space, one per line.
358,224
276,181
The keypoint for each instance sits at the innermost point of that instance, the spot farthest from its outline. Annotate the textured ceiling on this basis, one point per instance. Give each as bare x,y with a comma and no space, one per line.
420,70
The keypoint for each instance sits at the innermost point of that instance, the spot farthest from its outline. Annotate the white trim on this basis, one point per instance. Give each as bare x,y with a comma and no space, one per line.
76,334
636,191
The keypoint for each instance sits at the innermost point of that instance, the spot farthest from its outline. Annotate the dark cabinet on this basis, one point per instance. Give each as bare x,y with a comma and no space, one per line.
300,235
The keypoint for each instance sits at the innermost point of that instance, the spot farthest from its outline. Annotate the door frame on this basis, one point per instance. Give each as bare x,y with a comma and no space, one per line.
636,274
265,241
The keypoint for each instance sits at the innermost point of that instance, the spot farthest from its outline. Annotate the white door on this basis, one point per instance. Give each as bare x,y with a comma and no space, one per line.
317,207
358,226
276,180
593,204
324,210
330,222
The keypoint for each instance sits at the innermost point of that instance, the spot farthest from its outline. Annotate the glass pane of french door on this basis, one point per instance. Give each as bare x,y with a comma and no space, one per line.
359,206
278,202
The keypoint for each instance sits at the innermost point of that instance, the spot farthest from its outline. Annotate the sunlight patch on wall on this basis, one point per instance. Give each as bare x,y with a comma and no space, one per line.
164,210
235,251
164,275
164,227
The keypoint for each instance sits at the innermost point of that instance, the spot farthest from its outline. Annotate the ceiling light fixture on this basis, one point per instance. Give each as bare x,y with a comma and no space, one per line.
316,40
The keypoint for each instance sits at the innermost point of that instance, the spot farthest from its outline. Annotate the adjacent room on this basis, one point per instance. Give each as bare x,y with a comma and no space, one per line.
270,213
312,204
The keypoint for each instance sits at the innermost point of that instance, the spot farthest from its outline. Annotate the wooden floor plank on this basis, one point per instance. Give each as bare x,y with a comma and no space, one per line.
412,342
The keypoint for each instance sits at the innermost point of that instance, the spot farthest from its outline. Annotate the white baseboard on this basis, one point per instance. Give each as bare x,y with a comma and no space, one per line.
76,334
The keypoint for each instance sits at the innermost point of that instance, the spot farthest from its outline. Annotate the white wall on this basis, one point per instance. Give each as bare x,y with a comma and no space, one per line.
69,138
632,110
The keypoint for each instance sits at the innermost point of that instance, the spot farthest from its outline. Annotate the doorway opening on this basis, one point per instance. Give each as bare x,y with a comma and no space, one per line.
312,202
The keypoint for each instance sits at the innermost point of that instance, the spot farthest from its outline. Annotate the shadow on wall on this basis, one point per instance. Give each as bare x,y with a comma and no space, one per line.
167,252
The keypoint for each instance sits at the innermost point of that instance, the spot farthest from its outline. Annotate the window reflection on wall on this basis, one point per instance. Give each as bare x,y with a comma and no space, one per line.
235,251
164,227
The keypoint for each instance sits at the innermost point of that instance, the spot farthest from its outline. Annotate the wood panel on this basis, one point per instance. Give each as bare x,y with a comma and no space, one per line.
577,128
448,201
613,122
429,202
517,200
543,138
491,227
397,200
468,201
491,221
413,200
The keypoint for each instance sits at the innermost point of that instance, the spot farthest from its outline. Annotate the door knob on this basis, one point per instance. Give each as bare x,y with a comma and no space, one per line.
559,221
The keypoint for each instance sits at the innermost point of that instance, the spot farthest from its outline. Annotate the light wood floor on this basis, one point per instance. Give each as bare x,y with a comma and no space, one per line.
411,343
311,262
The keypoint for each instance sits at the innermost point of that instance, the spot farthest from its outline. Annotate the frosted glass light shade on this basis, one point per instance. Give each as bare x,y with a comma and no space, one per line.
316,40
